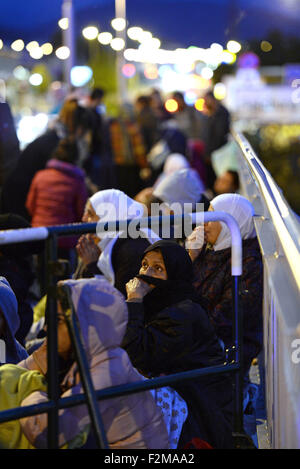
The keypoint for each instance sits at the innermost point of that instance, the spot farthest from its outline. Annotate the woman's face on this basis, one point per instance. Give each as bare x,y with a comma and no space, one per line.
153,265
212,229
89,215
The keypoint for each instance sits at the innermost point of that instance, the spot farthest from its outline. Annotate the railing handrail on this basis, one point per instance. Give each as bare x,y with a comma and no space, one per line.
284,221
42,233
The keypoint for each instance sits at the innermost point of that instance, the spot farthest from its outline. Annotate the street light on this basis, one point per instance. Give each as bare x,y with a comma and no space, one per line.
120,13
119,24
90,33
68,39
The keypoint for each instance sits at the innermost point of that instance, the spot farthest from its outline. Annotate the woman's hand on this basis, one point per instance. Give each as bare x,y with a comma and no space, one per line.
136,289
87,250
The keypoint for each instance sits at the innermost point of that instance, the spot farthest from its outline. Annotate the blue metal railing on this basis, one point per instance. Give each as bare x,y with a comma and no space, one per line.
91,396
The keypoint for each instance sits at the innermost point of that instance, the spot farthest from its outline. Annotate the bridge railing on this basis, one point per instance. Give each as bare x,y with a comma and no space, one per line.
278,232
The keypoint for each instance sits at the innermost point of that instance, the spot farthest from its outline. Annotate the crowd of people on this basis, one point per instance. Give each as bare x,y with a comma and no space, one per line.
147,306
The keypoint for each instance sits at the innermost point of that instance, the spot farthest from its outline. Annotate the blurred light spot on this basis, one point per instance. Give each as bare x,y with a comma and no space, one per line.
90,32
36,79
105,38
190,98
63,23
47,48
171,105
151,72
36,53
228,57
32,45
134,33
128,70
21,73
117,44
199,104
207,73
18,45
234,46
119,24
80,75
62,52
219,91
266,46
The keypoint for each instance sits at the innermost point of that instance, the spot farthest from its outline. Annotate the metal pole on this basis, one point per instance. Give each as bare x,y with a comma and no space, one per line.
120,11
52,354
238,348
68,39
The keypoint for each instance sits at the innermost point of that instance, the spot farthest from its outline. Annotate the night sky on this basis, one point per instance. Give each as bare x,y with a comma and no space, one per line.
178,23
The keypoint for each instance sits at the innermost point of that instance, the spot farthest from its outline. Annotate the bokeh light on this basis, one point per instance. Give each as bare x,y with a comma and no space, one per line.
90,33
171,105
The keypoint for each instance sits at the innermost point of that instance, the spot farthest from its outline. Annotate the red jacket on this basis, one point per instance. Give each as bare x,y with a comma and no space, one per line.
57,196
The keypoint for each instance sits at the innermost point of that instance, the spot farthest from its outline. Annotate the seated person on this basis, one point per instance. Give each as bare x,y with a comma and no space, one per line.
114,256
11,351
228,182
213,280
131,422
169,333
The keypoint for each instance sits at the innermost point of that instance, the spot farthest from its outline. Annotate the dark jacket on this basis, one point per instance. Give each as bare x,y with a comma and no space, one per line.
213,283
180,338
217,128
32,159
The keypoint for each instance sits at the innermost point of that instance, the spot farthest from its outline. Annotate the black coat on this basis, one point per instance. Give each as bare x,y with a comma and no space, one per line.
180,338
33,158
213,284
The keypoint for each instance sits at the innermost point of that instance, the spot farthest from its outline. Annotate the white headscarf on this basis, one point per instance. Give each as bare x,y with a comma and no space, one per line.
175,162
112,205
242,210
183,186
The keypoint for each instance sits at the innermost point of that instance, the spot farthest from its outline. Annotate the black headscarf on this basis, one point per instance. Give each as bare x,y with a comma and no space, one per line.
178,286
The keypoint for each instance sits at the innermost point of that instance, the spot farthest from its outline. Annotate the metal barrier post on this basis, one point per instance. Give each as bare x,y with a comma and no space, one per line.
52,353
87,383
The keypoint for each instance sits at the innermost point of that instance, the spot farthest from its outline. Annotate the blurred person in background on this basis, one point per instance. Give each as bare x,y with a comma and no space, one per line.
228,182
189,120
216,130
128,151
58,193
146,120
99,164
9,143
73,122
13,351
17,265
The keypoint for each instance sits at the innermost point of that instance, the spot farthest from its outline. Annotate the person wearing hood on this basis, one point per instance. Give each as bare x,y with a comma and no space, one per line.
113,254
213,281
173,163
131,422
168,332
58,194
11,350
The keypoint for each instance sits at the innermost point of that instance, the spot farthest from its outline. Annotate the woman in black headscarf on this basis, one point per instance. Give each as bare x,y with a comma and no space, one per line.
169,333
